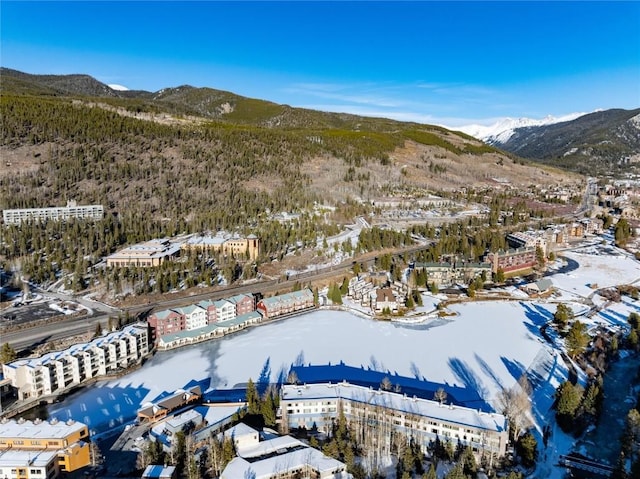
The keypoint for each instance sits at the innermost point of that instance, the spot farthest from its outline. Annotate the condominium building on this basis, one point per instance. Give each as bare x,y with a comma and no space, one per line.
244,303
529,239
194,316
512,261
282,457
201,316
60,213
144,255
378,413
41,449
58,371
445,273
286,303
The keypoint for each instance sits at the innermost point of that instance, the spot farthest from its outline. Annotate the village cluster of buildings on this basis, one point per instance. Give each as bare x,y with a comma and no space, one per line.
57,213
59,371
156,252
376,413
42,449
377,293
521,257
261,455
209,319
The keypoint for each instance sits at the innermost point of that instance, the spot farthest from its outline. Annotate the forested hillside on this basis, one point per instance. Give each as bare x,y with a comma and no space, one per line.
188,160
137,156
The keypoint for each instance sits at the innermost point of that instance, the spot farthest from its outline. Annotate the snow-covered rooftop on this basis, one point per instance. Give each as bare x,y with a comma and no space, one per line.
399,402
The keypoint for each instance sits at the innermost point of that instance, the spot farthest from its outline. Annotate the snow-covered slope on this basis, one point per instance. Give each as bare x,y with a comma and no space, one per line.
117,87
503,129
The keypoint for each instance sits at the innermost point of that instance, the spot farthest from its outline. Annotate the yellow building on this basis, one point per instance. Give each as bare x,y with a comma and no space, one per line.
70,441
238,247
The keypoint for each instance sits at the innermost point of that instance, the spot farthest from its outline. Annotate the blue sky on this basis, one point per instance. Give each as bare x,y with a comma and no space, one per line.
449,63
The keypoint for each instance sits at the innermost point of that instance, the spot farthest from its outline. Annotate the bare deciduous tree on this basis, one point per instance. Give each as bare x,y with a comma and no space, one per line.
440,395
515,404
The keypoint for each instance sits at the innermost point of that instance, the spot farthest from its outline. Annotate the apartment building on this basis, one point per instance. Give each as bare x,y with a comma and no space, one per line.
60,213
529,239
244,303
447,273
41,449
58,371
194,316
164,322
379,413
225,310
513,260
201,316
286,303
210,307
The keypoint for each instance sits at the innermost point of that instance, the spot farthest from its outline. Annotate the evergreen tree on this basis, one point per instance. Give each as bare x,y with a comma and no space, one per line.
527,448
568,399
253,399
577,339
7,354
562,315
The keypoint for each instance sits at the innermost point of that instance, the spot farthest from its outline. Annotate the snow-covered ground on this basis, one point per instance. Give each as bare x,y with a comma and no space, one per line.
469,350
485,346
600,267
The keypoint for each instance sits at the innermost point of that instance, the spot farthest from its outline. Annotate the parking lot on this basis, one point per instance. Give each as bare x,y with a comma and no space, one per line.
26,313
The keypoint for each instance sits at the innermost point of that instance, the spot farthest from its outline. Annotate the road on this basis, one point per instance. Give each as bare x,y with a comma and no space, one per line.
28,338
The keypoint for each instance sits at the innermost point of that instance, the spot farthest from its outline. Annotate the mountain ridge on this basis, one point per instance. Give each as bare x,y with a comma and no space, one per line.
601,142
503,129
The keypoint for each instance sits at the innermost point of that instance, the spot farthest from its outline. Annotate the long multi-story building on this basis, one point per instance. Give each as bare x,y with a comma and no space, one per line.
236,246
144,255
42,450
286,303
446,273
59,213
194,316
528,239
513,260
198,316
379,413
58,371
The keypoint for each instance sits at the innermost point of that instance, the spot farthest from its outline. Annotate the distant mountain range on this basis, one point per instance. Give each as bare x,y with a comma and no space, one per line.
598,143
502,130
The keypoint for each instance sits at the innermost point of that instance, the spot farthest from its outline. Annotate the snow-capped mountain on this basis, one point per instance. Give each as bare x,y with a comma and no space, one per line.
502,130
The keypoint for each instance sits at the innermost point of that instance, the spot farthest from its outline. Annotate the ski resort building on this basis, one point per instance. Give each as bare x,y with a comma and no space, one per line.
43,450
445,273
379,413
59,371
